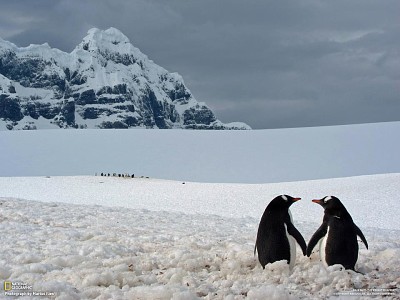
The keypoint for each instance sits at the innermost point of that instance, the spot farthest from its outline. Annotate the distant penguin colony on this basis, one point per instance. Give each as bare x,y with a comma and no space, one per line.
337,235
277,235
126,175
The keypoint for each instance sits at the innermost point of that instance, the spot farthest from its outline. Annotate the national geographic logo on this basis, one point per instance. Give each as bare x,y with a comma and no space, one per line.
11,285
7,285
22,289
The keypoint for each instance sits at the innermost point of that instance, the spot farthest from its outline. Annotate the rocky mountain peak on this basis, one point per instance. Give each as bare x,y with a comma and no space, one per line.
111,35
111,38
110,43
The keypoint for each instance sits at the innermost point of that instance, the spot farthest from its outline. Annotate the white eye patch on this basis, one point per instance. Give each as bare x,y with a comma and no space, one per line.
284,198
326,199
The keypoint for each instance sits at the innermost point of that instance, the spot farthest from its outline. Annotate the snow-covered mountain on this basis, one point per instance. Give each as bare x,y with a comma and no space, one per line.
105,82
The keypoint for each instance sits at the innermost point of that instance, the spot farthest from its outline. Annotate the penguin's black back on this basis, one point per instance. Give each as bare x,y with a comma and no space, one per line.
272,243
341,244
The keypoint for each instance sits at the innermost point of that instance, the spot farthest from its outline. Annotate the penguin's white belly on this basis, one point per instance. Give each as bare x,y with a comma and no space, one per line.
292,245
322,246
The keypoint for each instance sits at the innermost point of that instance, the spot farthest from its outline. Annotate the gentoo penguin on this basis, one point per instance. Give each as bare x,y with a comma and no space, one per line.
277,236
337,235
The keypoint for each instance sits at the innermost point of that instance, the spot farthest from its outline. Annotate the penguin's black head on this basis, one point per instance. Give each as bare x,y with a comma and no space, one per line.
328,202
332,205
283,201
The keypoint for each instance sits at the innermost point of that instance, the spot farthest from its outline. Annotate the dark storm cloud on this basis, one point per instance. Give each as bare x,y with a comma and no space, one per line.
267,63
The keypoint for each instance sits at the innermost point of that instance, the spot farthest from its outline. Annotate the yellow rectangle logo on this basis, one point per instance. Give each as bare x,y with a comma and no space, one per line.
7,285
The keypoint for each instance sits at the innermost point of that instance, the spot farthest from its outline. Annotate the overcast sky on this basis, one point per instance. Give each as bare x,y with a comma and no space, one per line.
270,64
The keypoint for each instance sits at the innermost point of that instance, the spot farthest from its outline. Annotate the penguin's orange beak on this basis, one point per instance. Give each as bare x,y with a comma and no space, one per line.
296,199
318,201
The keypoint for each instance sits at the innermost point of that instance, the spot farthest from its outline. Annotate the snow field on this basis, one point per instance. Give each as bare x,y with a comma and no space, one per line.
250,156
121,251
371,200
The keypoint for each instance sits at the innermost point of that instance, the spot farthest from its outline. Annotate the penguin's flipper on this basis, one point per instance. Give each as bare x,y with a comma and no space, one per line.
361,235
297,235
255,249
319,234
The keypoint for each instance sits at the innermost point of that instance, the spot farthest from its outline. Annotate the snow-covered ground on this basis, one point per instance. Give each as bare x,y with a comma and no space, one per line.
251,156
192,236
89,237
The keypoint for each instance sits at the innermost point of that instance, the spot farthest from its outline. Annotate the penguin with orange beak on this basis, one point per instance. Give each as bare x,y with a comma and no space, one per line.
337,235
277,236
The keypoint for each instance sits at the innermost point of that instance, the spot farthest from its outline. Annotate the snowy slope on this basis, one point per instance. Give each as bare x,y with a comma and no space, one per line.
369,196
255,156
114,238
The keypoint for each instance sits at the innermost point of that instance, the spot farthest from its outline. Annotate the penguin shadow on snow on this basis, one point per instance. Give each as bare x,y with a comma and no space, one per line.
277,236
337,235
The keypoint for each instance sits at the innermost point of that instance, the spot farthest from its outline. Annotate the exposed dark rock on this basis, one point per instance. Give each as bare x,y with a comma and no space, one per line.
67,74
106,100
87,97
180,92
104,90
29,126
157,109
119,89
7,62
94,112
116,124
131,121
25,70
10,108
30,110
77,79
118,58
200,115
47,110
68,111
